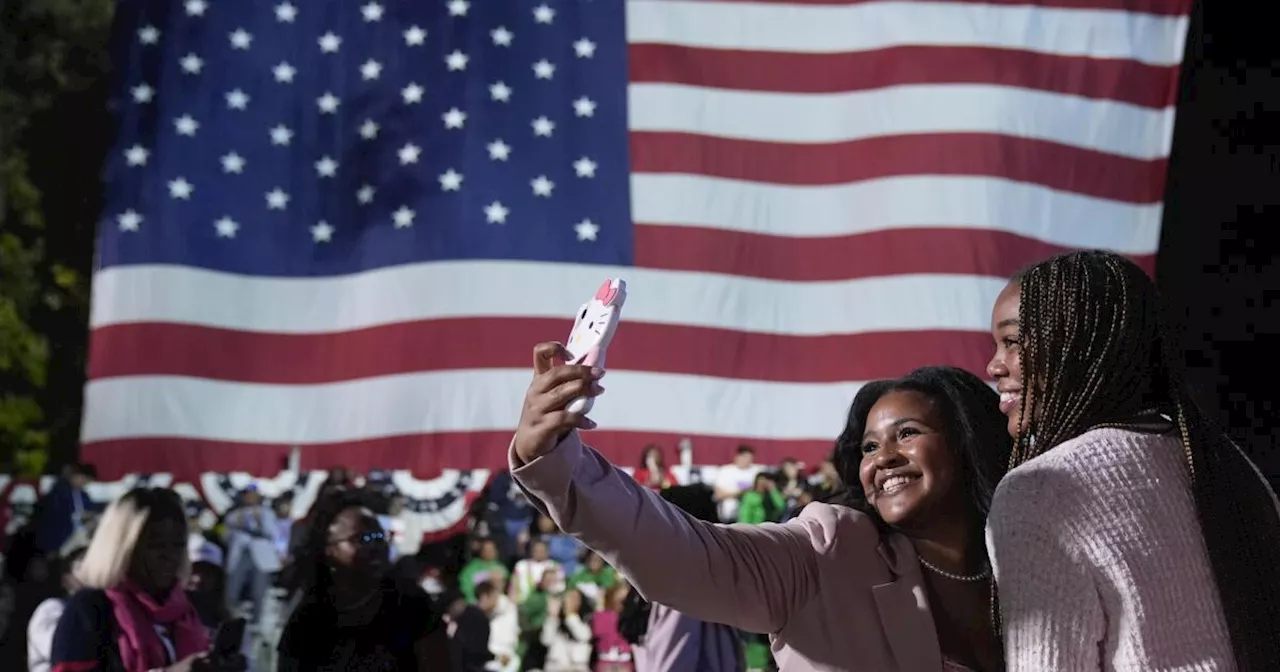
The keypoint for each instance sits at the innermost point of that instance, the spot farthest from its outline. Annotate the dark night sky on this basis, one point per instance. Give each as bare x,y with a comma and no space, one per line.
1217,267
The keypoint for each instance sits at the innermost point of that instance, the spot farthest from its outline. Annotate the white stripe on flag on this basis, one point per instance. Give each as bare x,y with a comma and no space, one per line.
435,290
1101,125
758,26
450,401
908,202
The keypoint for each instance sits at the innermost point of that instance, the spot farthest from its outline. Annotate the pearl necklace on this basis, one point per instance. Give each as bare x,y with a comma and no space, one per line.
981,576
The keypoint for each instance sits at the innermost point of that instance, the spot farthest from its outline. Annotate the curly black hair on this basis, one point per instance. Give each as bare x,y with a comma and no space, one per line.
975,429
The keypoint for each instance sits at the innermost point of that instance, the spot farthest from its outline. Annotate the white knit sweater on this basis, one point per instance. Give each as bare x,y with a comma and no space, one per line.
1100,561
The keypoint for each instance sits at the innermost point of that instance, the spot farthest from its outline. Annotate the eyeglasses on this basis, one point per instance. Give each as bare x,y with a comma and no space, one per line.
363,539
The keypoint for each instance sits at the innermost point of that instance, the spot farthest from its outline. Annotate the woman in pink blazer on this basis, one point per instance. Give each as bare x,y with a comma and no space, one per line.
894,579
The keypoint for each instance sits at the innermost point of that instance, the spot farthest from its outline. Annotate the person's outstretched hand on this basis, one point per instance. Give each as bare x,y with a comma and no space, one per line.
544,420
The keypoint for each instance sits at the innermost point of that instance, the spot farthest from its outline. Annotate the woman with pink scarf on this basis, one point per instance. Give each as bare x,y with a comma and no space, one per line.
132,614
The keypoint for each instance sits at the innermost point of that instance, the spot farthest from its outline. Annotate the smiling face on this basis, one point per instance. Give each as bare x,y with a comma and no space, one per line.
909,473
1006,364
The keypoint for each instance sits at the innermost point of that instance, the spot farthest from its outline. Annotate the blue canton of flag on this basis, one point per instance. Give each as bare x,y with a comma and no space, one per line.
317,139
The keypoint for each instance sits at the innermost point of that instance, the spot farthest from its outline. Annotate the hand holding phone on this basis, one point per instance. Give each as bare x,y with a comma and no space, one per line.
593,330
229,638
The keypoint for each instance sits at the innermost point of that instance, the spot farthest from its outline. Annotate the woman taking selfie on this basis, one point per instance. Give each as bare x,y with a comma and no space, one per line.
1130,533
895,578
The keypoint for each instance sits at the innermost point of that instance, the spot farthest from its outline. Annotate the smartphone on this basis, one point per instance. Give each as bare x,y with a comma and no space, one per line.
229,638
593,330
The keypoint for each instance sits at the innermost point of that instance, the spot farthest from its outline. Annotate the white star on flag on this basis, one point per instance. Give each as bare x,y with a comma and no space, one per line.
543,126
149,35
277,199
180,189
584,167
454,118
415,36
409,154
369,129
451,180
365,194
496,213
226,227
584,107
458,7
402,217
412,94
286,12
371,12
240,39
370,70
129,220
237,100
142,93
328,103
186,125
233,163
584,48
542,186
326,167
284,72
191,64
330,43
456,61
196,7
500,92
543,69
499,150
136,155
543,14
322,232
281,135
586,230
501,36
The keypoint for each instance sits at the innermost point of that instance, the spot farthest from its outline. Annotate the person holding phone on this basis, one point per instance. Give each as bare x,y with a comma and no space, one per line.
893,576
132,614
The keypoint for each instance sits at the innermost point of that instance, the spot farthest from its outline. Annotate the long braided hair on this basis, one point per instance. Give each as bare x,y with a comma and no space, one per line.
1095,351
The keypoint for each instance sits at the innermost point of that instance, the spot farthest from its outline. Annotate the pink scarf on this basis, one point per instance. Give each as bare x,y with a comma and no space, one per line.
137,614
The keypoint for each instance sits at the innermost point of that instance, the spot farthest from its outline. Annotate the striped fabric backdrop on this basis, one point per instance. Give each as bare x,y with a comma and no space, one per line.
819,193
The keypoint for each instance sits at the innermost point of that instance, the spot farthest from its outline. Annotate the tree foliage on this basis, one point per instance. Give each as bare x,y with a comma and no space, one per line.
54,67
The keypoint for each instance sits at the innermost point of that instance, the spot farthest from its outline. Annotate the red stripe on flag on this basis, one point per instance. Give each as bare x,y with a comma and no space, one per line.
881,253
424,454
478,343
785,72
1050,164
1156,7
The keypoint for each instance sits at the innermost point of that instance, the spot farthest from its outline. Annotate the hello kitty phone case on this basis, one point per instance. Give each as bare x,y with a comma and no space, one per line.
593,330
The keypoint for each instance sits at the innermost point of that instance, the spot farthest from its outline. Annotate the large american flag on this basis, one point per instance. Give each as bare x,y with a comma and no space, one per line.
342,225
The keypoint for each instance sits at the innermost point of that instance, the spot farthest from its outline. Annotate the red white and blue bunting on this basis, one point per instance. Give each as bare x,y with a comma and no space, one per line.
441,504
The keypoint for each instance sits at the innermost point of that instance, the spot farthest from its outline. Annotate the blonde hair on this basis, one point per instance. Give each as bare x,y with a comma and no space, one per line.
110,553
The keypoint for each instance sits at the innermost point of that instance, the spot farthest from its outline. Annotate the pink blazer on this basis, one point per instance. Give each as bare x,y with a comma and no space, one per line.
831,591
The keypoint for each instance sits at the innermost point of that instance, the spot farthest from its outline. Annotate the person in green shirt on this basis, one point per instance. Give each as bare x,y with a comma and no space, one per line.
762,503
593,577
485,567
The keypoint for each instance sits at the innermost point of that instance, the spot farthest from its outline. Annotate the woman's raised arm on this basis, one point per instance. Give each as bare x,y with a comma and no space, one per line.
748,576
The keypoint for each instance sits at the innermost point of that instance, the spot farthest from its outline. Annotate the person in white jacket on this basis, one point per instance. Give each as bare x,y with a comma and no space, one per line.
567,634
504,627
44,621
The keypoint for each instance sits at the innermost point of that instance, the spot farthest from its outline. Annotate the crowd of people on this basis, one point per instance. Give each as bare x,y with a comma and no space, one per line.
1082,516
513,593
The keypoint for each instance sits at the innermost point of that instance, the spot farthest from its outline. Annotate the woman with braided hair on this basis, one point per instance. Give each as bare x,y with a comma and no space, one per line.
1130,533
